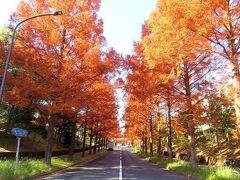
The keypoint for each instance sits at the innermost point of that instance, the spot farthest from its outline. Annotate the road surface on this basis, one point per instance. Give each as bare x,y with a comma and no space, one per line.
117,165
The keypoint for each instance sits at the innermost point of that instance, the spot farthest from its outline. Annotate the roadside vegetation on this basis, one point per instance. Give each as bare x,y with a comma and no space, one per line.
183,83
201,172
32,167
59,86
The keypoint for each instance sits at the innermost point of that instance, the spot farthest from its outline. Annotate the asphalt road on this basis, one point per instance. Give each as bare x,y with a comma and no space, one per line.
117,165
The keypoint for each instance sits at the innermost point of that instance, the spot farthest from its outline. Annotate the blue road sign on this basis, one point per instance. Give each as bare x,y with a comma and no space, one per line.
19,132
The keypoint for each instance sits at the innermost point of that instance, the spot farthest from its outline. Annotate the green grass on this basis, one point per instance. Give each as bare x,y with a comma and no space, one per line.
30,167
26,168
202,172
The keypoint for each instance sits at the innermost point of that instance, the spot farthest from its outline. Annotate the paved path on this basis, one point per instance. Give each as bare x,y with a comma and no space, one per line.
117,165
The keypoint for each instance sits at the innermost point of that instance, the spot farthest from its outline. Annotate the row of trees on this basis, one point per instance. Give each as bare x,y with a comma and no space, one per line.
60,70
172,82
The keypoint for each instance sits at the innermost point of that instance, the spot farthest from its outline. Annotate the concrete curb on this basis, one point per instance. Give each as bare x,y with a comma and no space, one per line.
45,174
170,170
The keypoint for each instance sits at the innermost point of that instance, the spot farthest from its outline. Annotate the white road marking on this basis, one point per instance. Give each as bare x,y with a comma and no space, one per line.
120,166
120,170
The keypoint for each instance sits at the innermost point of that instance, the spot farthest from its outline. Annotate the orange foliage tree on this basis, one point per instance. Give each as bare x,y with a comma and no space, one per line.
61,68
174,63
212,24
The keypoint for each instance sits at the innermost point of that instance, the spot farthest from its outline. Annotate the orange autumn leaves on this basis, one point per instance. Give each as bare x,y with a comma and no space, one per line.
182,43
61,68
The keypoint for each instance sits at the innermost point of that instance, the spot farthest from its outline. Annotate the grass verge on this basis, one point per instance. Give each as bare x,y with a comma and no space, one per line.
31,167
201,172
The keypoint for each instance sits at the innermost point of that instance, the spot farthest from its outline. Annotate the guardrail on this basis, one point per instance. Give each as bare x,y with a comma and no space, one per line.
39,154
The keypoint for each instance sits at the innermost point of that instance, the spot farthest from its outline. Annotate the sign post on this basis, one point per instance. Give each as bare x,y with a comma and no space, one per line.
19,133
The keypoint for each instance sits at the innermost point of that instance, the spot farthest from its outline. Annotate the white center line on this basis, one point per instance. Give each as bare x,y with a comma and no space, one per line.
120,166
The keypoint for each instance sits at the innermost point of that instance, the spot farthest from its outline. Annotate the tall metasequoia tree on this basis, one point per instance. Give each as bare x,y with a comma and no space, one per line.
151,82
224,22
58,59
165,97
154,83
180,54
214,24
142,98
137,120
101,109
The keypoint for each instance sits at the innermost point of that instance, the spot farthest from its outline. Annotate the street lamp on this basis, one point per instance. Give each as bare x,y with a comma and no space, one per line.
56,13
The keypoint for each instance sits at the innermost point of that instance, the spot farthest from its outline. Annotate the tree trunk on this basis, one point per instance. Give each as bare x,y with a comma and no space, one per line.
190,119
84,140
145,145
106,145
90,143
236,85
169,126
95,144
99,143
151,135
72,145
48,151
102,144
106,142
10,121
233,55
159,145
192,143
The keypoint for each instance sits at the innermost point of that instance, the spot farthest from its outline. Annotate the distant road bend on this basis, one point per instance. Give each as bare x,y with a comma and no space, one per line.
120,164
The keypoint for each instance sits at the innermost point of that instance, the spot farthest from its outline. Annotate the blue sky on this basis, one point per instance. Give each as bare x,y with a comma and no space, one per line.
122,20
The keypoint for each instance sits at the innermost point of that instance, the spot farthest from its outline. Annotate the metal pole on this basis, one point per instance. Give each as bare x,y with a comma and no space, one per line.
11,46
17,154
6,65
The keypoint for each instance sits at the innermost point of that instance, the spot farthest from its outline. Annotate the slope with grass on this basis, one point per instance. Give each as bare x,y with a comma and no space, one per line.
201,172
